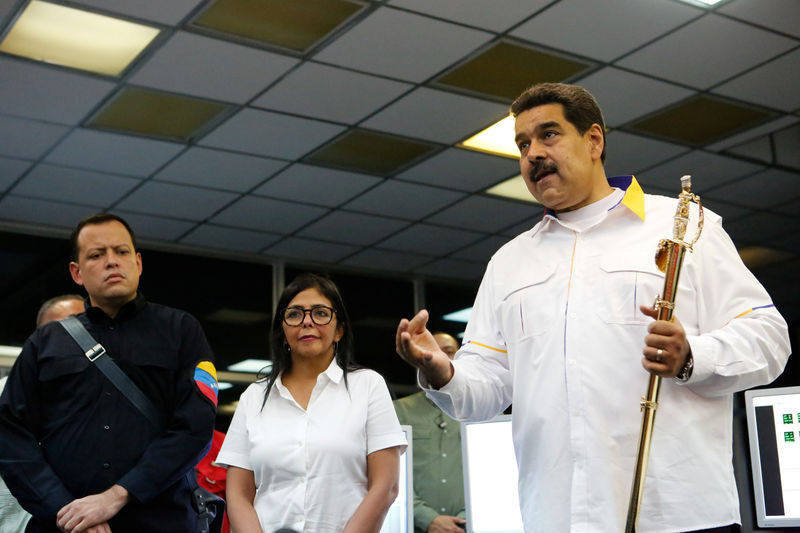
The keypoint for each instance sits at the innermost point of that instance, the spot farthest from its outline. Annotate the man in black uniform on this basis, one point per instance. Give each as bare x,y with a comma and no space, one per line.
73,450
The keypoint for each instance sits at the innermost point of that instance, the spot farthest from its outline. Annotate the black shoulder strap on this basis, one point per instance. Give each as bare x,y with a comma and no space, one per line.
95,352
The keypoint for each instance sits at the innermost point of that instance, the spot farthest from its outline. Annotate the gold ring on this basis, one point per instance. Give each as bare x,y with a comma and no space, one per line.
658,355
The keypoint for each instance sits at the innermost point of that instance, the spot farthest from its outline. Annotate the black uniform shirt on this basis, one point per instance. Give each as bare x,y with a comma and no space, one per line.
67,432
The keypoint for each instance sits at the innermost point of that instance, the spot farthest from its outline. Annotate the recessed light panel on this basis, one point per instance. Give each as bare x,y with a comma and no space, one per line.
157,113
75,38
293,24
701,120
506,69
497,139
513,188
367,151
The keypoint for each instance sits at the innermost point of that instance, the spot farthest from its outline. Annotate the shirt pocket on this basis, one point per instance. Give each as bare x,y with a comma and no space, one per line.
527,303
625,281
55,367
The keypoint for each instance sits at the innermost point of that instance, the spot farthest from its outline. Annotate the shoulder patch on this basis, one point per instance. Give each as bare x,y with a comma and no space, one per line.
205,379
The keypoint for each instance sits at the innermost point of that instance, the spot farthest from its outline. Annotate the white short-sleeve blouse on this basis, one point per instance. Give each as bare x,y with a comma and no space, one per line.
310,465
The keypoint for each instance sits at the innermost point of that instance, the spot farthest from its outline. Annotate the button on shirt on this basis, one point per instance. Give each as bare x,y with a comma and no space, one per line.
310,465
556,328
438,473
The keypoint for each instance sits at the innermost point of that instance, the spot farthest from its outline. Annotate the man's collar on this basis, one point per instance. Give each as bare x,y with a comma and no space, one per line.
633,198
127,310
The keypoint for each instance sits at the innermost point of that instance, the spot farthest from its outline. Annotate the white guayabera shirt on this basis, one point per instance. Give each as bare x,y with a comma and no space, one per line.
556,329
310,465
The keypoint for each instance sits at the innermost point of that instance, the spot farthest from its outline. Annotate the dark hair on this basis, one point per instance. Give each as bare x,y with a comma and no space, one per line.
53,301
580,107
281,358
98,218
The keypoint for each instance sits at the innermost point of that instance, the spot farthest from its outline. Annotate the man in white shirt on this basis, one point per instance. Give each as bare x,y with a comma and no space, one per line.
562,320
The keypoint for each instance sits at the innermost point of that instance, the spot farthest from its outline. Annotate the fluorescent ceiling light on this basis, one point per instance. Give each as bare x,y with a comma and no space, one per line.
459,316
251,365
497,139
513,188
75,38
702,2
10,351
224,385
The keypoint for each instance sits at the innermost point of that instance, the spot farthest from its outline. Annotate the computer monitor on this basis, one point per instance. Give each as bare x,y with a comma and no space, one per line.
774,435
490,477
400,518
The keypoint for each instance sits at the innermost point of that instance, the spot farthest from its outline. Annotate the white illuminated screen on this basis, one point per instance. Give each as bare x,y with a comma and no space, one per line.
773,421
490,477
400,518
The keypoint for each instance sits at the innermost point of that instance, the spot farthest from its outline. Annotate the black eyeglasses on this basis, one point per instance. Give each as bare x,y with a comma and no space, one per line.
321,315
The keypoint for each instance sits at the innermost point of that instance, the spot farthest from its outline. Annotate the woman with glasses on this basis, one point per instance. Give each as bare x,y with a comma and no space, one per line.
316,445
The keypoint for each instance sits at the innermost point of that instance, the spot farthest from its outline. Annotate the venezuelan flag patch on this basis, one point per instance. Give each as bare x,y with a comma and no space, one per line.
205,378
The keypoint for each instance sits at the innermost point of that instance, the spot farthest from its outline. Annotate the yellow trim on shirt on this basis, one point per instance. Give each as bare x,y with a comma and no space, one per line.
488,347
634,198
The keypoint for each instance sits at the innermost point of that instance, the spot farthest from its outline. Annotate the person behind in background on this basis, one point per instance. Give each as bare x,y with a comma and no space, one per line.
73,450
316,446
563,314
59,307
438,473
13,517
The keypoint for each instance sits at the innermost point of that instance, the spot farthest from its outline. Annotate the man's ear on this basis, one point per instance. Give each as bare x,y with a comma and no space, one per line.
75,272
596,140
139,262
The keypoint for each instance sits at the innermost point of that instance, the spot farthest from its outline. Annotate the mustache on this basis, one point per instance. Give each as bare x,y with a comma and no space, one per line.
542,167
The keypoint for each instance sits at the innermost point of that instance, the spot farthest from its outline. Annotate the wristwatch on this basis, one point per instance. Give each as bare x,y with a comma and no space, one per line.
686,371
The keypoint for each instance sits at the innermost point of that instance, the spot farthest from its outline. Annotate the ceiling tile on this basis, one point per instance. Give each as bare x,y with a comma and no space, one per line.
403,200
348,96
628,154
386,260
268,215
604,30
782,91
462,169
271,134
478,13
157,114
74,185
525,225
219,170
178,201
754,228
6,7
480,213
701,120
297,25
752,133
791,208
437,116
171,12
763,190
451,268
506,69
760,149
380,44
481,251
239,240
311,250
155,228
11,170
111,152
708,170
40,92
211,68
316,185
430,240
786,147
781,15
352,228
704,67
368,151
42,212
619,94
27,139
